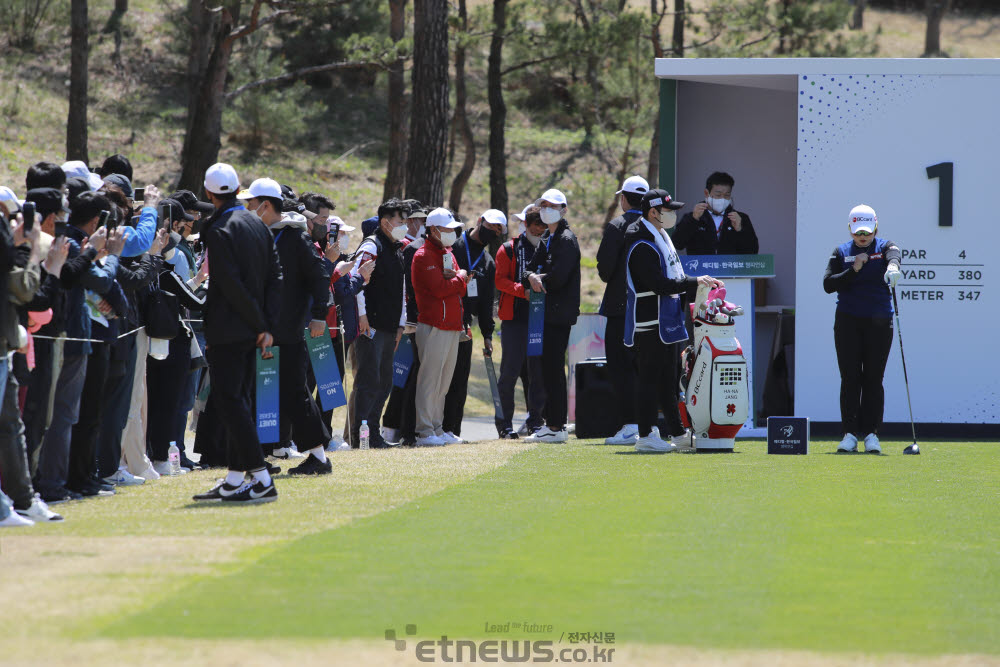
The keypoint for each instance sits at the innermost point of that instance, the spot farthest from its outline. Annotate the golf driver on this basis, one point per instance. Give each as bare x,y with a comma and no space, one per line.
914,448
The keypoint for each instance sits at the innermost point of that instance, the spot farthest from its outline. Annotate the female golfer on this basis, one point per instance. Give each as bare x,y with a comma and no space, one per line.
862,272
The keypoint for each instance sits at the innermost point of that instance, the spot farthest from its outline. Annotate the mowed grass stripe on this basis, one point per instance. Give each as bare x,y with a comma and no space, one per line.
824,552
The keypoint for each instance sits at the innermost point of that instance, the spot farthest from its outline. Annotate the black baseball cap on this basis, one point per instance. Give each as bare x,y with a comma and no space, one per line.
76,186
175,210
47,201
190,202
122,181
656,198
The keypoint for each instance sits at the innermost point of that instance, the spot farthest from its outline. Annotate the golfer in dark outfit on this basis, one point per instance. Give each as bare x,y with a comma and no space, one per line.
862,272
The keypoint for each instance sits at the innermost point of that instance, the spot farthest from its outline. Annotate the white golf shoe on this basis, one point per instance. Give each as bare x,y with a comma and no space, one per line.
451,439
872,445
545,434
654,443
627,435
849,443
430,441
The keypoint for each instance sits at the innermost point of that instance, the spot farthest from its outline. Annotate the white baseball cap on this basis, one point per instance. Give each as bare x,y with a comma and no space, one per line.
337,220
10,199
221,179
524,213
553,196
863,219
79,169
635,185
442,217
495,217
262,187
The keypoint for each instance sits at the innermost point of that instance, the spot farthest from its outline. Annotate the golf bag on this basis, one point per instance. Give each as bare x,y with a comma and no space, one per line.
714,396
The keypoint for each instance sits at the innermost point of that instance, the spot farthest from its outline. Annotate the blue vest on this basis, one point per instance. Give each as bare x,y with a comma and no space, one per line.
670,312
867,295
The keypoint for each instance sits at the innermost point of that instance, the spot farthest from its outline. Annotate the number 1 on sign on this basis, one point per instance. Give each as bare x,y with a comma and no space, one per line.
945,171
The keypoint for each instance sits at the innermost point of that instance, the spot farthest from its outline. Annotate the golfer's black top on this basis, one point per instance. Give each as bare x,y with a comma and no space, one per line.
861,293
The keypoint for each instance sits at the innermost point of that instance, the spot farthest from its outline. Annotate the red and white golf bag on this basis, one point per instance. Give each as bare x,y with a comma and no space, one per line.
714,395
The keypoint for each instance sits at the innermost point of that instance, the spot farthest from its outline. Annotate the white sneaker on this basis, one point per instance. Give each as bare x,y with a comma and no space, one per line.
162,468
451,439
627,435
335,442
286,453
871,444
15,520
685,440
124,478
293,451
430,441
388,434
654,443
150,473
524,431
39,512
849,443
545,434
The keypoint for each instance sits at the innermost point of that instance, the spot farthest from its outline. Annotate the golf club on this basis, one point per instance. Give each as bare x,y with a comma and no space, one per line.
914,448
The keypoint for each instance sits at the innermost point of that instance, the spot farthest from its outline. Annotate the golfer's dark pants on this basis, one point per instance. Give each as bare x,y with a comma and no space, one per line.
863,345
232,366
83,443
296,406
165,380
13,453
656,371
621,366
515,363
454,401
36,402
401,410
121,371
555,340
372,381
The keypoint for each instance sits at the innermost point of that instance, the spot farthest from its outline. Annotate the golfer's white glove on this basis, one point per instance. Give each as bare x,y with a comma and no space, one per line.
892,276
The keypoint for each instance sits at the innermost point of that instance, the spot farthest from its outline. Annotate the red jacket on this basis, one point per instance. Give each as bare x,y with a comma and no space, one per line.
439,301
508,283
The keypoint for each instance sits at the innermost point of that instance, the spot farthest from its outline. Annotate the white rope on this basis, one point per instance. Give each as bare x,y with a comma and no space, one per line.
84,340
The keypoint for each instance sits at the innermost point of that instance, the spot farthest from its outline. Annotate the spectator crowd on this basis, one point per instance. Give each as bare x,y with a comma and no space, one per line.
132,316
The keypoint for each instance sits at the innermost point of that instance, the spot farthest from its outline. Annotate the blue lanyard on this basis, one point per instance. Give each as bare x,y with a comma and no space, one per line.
468,255
279,235
548,243
634,210
234,208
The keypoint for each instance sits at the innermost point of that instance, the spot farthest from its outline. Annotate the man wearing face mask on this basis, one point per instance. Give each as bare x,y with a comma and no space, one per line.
381,318
305,290
555,270
511,263
439,288
715,227
654,316
322,208
472,251
399,422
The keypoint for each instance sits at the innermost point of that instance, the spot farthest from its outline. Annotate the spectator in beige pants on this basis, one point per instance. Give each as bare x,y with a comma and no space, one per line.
439,289
134,438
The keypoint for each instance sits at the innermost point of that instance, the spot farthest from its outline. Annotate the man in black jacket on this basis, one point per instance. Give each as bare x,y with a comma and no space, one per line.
611,268
244,293
381,319
472,252
654,316
305,292
715,227
555,270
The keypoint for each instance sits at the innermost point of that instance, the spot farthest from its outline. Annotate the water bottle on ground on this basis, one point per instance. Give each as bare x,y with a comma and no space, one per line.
364,435
174,458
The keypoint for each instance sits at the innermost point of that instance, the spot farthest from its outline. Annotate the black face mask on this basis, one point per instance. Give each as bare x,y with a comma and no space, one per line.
486,235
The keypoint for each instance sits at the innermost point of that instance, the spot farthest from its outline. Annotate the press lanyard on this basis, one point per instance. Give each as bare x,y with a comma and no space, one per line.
468,255
633,210
279,234
234,208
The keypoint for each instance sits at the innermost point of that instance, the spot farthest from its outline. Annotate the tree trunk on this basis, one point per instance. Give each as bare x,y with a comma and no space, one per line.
677,43
936,9
461,120
425,165
858,19
395,177
76,123
498,110
204,128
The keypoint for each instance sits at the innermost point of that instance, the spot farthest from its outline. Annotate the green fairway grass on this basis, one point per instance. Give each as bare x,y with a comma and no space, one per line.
824,552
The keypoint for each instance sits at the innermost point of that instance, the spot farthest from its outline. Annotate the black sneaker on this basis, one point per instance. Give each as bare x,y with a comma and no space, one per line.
509,434
189,464
272,469
312,466
218,492
59,495
252,493
90,489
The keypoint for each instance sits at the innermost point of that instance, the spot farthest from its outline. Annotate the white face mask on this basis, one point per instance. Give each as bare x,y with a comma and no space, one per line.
448,239
718,205
551,216
399,233
532,239
668,219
